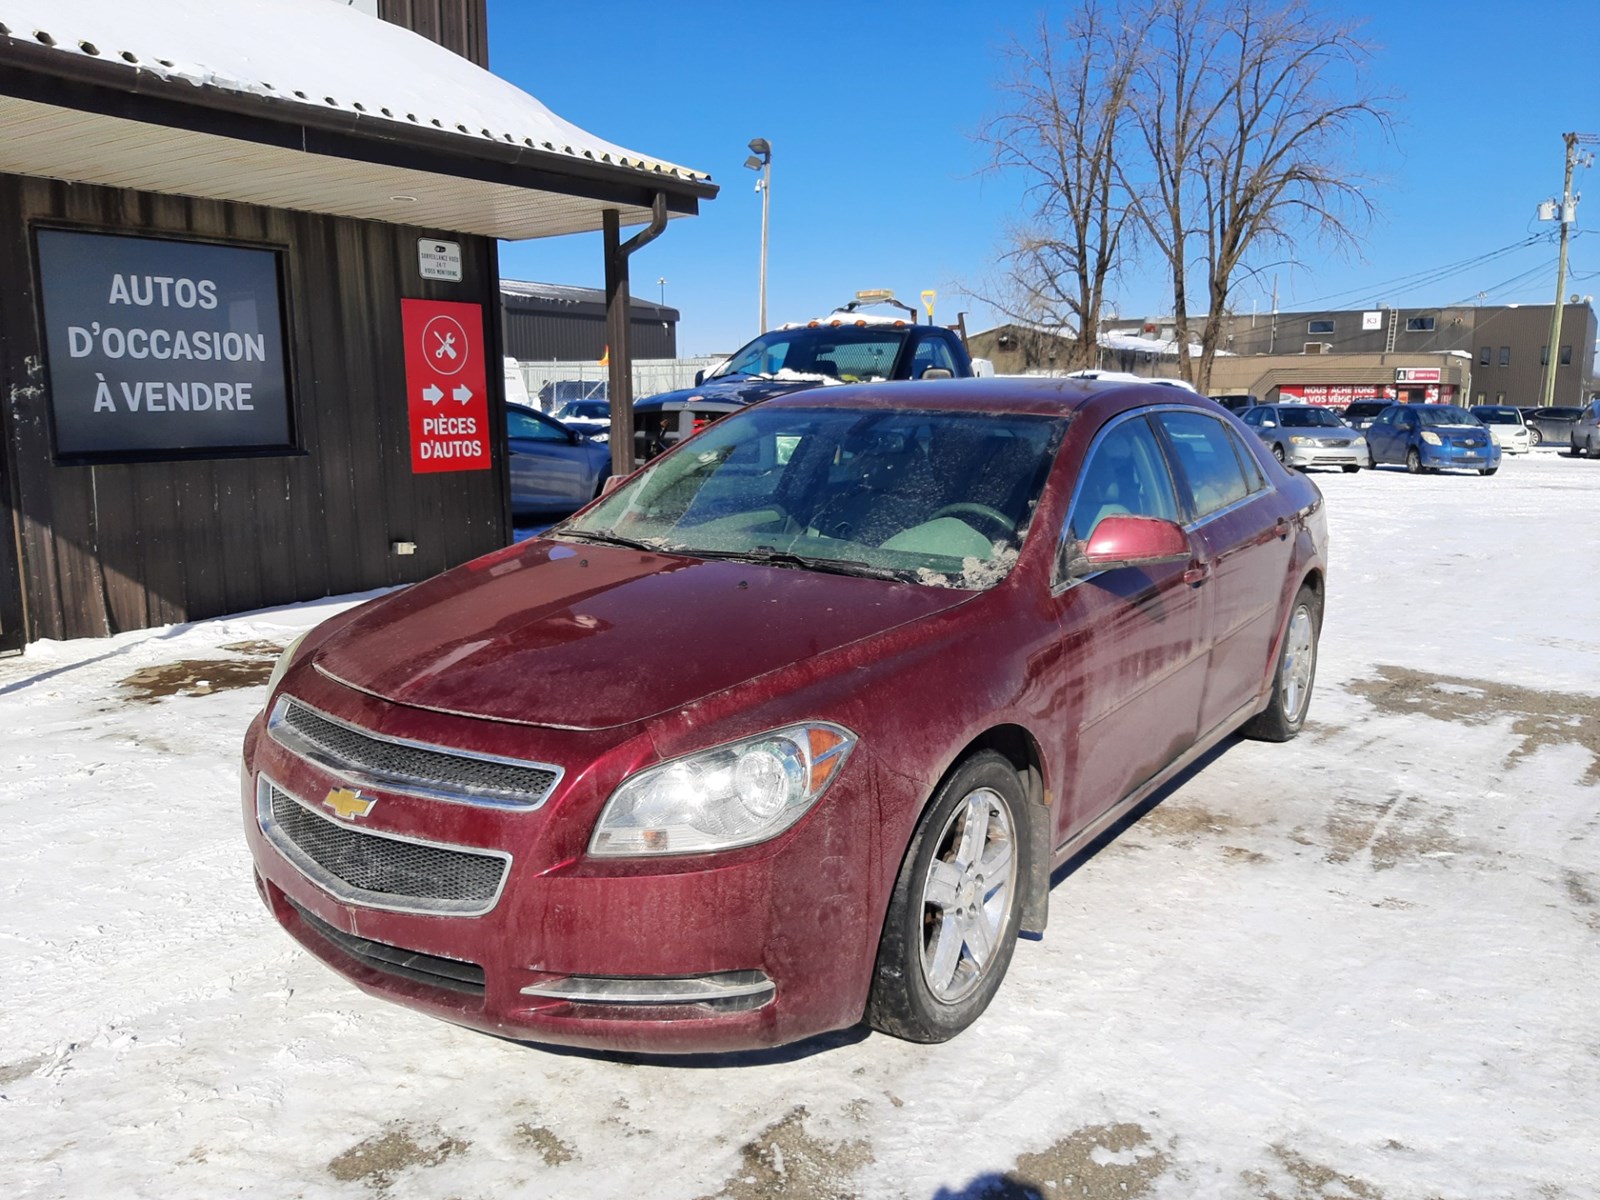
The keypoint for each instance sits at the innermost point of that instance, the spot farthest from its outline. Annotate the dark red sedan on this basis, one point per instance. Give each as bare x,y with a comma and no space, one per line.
789,730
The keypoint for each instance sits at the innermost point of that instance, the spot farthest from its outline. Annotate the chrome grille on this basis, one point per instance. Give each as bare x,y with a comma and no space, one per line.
457,975
379,870
407,766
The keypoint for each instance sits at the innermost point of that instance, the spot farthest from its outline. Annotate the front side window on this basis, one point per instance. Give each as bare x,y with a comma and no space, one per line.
1125,475
525,425
1207,459
932,355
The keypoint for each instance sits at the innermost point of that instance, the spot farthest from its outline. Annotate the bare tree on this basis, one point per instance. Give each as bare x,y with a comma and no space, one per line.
1246,112
1066,101
1221,126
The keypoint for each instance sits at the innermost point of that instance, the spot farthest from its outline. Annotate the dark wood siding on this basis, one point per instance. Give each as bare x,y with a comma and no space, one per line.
552,335
458,25
120,546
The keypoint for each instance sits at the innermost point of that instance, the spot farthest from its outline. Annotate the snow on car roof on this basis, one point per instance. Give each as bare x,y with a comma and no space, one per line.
312,53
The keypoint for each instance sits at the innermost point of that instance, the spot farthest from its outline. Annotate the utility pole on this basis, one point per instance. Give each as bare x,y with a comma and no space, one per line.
1565,215
761,160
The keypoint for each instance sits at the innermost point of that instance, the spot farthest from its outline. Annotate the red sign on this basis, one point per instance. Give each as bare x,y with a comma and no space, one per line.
1334,395
446,393
1417,374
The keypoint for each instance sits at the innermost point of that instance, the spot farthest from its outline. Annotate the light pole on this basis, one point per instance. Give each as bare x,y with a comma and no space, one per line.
761,160
662,284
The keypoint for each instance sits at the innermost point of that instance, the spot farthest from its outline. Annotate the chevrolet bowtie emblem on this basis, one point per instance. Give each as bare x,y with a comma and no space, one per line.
347,804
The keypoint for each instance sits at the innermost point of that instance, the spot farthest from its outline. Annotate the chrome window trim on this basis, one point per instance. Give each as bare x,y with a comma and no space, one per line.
360,897
296,743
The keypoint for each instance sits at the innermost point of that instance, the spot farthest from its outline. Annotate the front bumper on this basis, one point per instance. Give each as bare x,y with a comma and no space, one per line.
740,949
1348,454
1454,457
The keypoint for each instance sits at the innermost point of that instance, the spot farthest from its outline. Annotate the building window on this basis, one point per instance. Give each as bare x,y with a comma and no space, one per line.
1484,355
1505,356
1544,356
1566,356
1319,326
1479,400
1419,324
1499,397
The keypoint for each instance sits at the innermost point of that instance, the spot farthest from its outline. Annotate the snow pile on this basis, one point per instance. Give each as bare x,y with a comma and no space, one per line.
1361,964
313,53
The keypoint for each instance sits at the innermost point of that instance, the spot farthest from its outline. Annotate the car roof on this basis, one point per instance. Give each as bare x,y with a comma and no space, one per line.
991,394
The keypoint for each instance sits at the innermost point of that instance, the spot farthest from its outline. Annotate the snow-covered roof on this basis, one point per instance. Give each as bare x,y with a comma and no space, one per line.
566,293
319,55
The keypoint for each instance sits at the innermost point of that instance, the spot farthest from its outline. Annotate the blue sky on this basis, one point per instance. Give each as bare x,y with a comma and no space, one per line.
877,181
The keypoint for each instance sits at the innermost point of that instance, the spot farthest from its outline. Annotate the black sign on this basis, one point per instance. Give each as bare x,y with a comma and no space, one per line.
157,346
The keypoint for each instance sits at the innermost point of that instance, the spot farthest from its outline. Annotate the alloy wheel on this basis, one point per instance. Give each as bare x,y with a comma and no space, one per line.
967,895
1299,662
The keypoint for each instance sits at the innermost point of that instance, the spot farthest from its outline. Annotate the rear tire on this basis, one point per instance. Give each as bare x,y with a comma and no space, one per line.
1295,673
957,905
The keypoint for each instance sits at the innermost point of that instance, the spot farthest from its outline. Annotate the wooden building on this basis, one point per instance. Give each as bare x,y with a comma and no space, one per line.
242,260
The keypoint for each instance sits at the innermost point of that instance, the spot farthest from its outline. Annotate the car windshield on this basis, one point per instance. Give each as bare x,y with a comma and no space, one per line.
1308,418
1444,414
848,353
933,497
585,410
1498,416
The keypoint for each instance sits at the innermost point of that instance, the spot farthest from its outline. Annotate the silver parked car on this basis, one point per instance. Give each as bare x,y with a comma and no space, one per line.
1303,435
1586,431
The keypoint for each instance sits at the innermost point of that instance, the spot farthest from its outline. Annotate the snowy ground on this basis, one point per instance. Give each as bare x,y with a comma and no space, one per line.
1362,965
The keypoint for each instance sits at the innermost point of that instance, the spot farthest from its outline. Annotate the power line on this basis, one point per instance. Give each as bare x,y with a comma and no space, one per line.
1426,276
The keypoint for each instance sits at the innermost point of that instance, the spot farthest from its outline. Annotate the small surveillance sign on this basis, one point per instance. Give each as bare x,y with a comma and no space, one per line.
439,260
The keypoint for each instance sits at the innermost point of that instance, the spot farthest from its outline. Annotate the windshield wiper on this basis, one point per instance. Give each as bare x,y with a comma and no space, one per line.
614,539
785,558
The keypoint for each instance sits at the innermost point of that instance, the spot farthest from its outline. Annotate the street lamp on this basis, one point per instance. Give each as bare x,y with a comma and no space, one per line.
662,284
761,160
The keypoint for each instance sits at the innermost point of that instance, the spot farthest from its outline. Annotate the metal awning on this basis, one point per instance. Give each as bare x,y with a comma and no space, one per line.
306,105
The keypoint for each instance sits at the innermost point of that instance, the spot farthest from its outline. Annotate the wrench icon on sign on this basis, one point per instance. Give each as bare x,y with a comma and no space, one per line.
447,345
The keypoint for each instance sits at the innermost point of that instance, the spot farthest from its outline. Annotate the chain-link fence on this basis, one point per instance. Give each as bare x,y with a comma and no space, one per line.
549,385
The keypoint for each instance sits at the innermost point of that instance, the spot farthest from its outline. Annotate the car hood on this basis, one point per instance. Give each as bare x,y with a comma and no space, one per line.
736,389
583,636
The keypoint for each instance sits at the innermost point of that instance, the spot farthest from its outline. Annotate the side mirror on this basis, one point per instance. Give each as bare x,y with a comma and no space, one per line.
699,377
937,373
1268,423
1129,541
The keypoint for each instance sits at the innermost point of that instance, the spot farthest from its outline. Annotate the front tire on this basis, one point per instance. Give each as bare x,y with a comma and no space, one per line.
1296,671
1350,468
1413,462
1487,470
1277,451
1534,437
956,907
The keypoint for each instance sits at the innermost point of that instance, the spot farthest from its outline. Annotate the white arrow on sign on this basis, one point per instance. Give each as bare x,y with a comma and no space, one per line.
432,394
462,394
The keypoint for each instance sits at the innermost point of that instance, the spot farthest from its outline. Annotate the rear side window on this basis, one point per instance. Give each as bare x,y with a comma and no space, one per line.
1206,457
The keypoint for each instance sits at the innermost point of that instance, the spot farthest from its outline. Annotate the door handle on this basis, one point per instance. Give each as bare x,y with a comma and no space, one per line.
1282,527
1197,574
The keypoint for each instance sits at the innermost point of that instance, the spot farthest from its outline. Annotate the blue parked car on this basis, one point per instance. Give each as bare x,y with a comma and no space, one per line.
1432,437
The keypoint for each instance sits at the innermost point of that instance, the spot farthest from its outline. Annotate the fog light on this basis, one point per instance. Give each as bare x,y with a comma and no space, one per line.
728,991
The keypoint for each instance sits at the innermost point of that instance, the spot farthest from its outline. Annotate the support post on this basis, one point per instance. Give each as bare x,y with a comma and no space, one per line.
619,383
1553,356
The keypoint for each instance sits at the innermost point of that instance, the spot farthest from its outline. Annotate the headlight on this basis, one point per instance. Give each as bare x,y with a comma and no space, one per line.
733,795
284,660
1296,439
1431,438
1359,443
